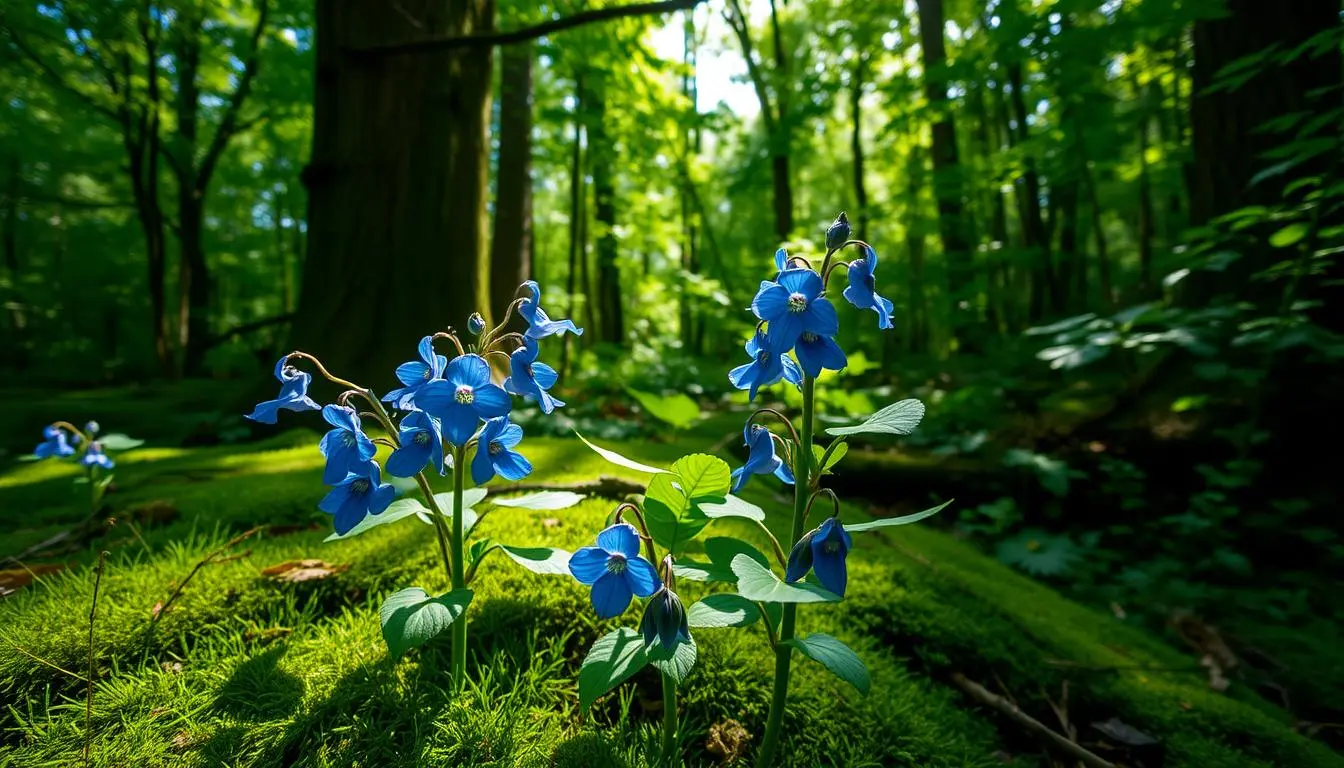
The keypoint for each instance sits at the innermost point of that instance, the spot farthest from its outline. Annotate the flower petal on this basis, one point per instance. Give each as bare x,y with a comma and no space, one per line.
588,564
459,423
821,318
491,401
801,280
468,370
642,577
611,595
482,467
512,466
771,301
621,538
341,417
408,459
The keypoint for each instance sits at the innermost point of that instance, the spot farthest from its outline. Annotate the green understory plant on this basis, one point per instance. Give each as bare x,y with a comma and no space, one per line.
89,449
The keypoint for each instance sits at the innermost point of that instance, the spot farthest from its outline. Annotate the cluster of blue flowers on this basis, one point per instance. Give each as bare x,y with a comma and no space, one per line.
59,443
446,405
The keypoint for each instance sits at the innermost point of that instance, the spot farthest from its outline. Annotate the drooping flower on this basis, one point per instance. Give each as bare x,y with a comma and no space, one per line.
95,457
415,374
615,570
421,443
495,454
530,378
862,290
793,305
761,458
476,324
823,551
57,443
293,394
346,447
838,232
665,622
817,352
358,495
539,324
766,367
463,397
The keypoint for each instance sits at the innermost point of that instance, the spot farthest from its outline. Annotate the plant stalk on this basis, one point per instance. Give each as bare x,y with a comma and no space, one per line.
670,756
459,664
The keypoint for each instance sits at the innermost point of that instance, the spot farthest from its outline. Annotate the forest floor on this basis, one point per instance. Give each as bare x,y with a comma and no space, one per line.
246,669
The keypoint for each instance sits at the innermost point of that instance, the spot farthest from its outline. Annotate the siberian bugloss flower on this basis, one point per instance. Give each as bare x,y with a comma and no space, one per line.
615,570
421,443
463,397
665,622
346,447
539,324
358,495
495,454
293,394
530,378
793,305
761,458
766,367
56,444
94,457
823,551
838,232
862,290
415,374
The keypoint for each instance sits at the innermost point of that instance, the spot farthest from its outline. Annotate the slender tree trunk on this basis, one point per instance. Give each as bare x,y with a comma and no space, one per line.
1033,226
611,321
781,142
1145,228
690,246
511,244
384,269
1098,232
918,332
856,148
576,245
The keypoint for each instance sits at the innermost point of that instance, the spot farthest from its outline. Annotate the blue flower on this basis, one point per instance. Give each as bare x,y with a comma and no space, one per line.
56,444
421,443
862,290
823,551
415,375
761,458
92,428
838,232
665,622
293,394
766,367
615,570
539,324
94,457
359,494
463,397
793,305
494,452
817,352
529,378
476,324
346,447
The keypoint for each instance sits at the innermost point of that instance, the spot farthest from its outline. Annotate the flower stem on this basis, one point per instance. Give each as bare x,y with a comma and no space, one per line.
669,756
802,469
459,664
440,528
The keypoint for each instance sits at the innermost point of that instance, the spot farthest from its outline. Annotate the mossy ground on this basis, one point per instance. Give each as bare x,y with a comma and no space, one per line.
244,671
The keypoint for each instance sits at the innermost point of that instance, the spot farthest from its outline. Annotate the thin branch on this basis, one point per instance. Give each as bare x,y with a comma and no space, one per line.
255,325
1012,712
512,36
738,21
229,125
59,81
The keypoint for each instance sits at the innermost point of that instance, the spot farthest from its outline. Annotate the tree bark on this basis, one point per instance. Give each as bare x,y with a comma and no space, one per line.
576,189
856,148
774,111
918,325
385,269
511,243
1046,293
611,320
690,245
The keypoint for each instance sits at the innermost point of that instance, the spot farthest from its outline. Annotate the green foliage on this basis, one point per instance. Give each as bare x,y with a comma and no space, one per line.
411,618
676,410
895,419
834,656
758,583
672,503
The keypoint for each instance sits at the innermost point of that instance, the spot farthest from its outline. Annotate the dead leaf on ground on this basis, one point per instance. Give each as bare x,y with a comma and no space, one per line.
172,667
295,571
551,522
183,741
1137,747
728,741
1215,654
14,579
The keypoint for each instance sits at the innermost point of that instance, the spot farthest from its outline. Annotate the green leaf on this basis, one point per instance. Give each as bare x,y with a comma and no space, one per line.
896,419
611,661
547,500
618,459
839,453
677,410
723,610
733,506
397,510
835,656
890,522
692,570
119,442
759,584
547,560
676,663
672,502
1290,235
722,549
411,617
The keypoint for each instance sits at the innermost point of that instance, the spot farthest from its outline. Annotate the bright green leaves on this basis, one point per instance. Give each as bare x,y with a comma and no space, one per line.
721,550
676,663
398,510
1290,235
411,617
119,442
732,506
890,522
544,560
721,610
838,451
676,410
545,500
619,654
672,503
618,459
758,583
896,419
835,656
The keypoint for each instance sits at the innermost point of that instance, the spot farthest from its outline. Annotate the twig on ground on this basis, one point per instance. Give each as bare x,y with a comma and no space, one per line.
216,556
88,700
1012,712
44,662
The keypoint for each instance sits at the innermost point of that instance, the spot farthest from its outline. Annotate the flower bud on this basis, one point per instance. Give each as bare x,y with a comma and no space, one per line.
665,621
838,232
800,558
476,324
91,428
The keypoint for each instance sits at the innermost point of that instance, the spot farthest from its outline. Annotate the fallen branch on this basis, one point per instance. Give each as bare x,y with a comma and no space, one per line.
216,556
1012,712
44,662
88,700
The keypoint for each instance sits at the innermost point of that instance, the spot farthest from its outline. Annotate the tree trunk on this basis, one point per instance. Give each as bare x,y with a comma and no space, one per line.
918,324
781,143
17,320
1098,233
576,244
1145,228
856,149
384,269
511,243
690,246
611,321
1046,293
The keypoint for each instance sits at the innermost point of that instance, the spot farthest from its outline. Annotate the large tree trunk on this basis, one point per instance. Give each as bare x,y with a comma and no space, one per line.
193,276
611,319
511,243
856,148
1046,292
396,184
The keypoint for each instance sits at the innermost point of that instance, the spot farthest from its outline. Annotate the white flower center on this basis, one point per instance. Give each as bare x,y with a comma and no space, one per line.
797,303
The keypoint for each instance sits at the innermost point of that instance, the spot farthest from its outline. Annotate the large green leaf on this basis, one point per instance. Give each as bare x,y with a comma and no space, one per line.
1290,234
119,442
411,617
723,610
732,506
757,583
841,449
547,500
693,570
618,459
835,656
397,510
889,522
676,410
547,560
722,549
611,661
896,419
672,501
676,663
